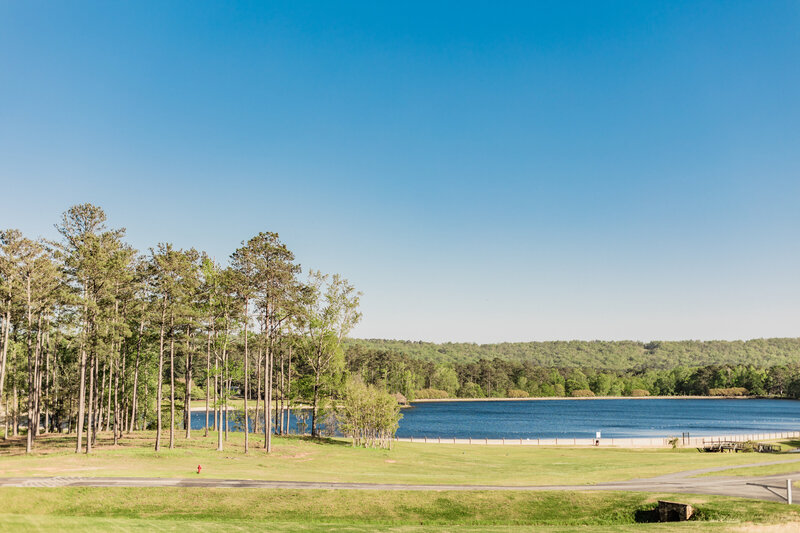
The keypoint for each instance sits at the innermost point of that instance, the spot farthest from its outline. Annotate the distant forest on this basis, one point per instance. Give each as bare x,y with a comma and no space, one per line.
764,367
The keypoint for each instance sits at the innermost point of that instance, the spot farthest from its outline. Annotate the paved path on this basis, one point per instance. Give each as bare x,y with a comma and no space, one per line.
771,488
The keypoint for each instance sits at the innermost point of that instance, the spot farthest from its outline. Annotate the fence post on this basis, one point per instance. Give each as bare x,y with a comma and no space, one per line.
789,491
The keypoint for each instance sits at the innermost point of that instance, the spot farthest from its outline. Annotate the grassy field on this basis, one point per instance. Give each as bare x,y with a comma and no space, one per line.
302,459
167,509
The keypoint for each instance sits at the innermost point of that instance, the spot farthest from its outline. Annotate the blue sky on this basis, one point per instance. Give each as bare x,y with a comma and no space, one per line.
482,172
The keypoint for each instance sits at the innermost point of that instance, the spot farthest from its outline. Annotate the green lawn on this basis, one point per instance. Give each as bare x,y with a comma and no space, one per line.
192,509
785,468
196,509
299,459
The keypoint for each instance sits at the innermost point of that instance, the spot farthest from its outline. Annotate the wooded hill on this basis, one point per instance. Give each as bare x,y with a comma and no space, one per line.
601,355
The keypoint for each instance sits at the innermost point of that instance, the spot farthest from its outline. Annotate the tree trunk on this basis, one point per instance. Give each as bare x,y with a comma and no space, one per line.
289,390
4,353
268,378
258,391
187,402
116,406
97,399
136,375
82,385
172,381
89,417
160,386
111,373
269,399
246,389
314,407
218,402
282,394
208,377
31,377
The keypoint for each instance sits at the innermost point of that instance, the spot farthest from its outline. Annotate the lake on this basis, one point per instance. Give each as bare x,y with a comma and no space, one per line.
615,418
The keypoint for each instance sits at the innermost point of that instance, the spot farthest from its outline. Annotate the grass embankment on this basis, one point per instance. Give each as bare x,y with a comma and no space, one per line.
194,509
303,459
166,509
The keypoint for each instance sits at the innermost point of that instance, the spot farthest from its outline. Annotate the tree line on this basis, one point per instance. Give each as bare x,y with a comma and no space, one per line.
417,378
96,336
602,355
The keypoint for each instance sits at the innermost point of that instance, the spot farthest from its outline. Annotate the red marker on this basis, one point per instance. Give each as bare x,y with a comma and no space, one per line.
199,468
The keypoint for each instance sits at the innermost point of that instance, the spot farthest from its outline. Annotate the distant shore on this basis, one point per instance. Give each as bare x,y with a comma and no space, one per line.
561,398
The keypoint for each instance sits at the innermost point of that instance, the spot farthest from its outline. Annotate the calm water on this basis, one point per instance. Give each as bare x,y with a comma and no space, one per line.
582,418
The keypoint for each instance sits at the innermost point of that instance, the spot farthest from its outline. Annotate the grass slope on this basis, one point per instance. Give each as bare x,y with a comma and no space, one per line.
167,509
302,459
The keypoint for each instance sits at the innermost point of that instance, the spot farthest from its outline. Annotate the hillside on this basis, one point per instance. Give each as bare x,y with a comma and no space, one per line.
601,355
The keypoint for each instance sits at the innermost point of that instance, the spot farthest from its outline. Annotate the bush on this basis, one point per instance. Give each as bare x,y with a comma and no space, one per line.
471,390
368,415
516,393
640,392
731,391
431,394
582,393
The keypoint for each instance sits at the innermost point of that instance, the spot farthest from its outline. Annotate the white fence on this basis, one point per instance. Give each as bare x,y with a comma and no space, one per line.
657,442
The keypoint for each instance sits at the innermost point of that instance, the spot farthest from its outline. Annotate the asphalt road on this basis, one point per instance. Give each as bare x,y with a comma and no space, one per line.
771,488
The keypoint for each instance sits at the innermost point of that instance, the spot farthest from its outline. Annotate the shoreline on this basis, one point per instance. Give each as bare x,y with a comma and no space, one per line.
569,398
685,441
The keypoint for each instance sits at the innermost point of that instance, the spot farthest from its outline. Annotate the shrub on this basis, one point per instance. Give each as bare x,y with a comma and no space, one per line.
731,391
431,394
471,390
640,392
367,414
517,393
582,393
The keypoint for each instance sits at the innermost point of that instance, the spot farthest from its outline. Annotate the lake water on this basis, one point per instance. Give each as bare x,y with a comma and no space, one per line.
582,418
614,418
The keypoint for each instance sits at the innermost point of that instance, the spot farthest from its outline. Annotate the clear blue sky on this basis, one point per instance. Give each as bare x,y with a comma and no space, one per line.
481,171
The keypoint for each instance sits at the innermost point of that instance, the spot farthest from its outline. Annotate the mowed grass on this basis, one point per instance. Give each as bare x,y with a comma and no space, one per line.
767,470
195,509
303,459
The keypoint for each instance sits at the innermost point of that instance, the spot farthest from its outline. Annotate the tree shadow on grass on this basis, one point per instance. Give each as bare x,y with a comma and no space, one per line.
318,440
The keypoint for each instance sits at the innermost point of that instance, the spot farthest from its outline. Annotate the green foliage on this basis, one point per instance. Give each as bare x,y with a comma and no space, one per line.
601,355
398,372
431,394
729,391
471,390
367,415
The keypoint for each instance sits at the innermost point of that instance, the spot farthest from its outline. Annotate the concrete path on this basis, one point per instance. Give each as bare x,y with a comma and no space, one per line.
771,488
